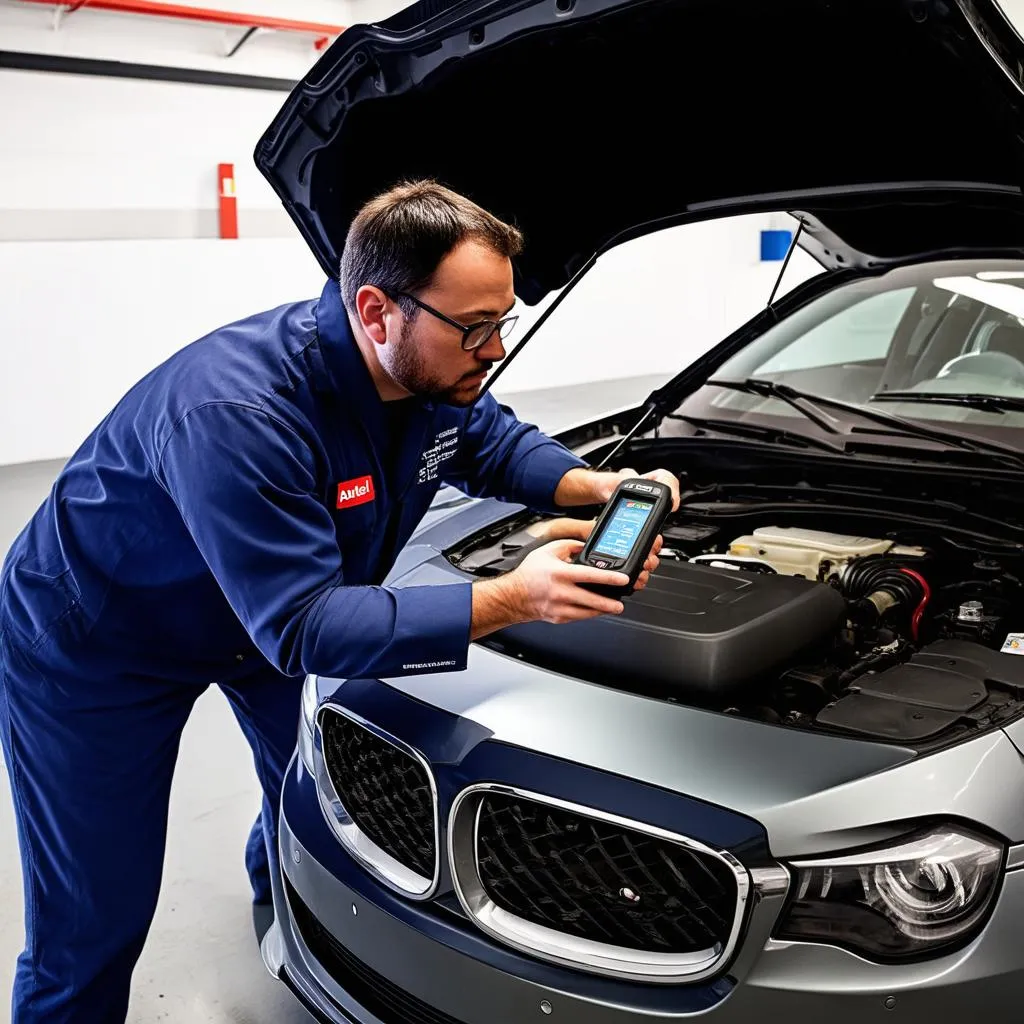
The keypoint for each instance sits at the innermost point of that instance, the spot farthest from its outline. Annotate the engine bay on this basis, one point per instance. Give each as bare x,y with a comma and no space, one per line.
910,635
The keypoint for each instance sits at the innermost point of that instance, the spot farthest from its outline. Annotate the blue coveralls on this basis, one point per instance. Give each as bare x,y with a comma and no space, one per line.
196,538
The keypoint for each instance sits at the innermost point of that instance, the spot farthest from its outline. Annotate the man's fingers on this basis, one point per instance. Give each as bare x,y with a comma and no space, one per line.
563,528
589,601
572,529
600,577
669,480
565,549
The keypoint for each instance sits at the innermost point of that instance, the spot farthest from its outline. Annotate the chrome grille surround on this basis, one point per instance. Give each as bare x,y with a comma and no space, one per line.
572,951
381,864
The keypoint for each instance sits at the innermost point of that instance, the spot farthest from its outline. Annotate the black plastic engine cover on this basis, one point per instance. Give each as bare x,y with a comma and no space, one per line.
927,695
694,630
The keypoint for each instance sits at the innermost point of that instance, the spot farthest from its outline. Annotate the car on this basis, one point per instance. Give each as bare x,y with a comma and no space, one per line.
787,783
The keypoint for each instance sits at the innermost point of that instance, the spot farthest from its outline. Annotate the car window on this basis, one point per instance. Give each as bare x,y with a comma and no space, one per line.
860,333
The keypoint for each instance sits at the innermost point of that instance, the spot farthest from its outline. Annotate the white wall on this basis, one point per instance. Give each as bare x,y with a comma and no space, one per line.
81,322
108,199
86,160
82,316
78,143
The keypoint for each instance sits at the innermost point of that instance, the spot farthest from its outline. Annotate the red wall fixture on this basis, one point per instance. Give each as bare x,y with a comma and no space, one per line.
227,201
189,13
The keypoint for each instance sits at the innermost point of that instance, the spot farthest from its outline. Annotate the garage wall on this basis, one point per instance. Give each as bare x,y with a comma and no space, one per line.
109,260
109,256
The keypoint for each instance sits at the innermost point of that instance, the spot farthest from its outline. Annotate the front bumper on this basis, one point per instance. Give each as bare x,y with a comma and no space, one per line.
353,951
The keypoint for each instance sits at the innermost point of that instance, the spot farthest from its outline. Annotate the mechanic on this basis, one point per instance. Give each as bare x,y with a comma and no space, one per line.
231,522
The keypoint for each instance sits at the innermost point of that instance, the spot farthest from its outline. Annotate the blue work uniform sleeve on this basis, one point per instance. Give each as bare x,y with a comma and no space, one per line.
502,457
245,485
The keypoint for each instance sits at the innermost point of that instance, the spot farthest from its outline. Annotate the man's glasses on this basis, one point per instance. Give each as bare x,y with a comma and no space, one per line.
474,335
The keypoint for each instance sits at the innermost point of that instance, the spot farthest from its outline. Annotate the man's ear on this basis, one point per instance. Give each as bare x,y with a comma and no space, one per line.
372,309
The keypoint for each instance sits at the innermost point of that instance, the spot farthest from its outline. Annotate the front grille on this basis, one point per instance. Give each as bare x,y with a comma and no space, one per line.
600,881
371,990
385,791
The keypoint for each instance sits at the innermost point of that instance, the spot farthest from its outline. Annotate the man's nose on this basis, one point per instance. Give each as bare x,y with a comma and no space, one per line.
492,351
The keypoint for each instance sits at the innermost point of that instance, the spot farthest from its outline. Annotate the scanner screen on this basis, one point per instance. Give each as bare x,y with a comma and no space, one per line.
621,530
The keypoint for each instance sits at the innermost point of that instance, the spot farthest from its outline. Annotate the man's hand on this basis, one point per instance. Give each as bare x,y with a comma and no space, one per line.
545,587
590,487
663,476
563,528
566,528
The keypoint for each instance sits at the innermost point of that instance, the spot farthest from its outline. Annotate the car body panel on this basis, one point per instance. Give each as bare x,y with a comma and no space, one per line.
1015,732
439,960
814,793
932,113
464,751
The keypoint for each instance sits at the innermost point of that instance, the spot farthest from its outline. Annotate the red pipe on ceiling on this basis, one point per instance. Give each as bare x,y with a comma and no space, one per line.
186,13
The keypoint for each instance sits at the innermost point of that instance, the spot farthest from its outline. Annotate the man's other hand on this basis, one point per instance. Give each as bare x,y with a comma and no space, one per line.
545,586
567,528
595,487
563,528
662,476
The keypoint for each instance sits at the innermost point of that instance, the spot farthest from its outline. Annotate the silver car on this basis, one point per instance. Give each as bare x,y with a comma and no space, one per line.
788,783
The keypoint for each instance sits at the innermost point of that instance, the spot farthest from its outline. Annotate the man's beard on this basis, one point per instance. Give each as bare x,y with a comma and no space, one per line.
407,368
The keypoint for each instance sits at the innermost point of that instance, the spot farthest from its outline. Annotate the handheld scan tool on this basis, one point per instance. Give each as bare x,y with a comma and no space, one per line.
626,531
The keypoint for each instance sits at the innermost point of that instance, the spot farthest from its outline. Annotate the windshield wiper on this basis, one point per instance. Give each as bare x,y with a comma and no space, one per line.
896,424
758,431
987,403
784,393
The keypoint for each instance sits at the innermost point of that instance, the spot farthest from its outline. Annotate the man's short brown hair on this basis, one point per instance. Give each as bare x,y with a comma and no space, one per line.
399,238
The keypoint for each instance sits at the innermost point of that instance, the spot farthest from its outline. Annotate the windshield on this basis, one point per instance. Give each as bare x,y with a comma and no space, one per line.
923,343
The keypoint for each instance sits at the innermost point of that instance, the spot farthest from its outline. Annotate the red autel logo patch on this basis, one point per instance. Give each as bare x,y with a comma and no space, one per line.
355,492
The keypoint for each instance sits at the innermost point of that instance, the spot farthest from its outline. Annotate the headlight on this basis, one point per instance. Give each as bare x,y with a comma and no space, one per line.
310,699
907,902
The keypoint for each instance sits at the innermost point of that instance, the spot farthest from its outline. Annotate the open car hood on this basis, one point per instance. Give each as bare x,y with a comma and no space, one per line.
892,127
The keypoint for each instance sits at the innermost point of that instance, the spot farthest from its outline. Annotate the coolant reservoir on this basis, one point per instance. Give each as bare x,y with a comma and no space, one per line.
813,554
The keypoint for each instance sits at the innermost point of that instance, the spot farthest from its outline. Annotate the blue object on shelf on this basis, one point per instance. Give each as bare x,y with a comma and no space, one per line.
775,245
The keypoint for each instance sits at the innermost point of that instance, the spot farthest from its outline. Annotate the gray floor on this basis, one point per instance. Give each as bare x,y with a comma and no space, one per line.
201,964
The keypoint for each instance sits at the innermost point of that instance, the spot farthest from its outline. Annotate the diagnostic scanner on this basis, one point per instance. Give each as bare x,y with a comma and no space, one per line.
626,531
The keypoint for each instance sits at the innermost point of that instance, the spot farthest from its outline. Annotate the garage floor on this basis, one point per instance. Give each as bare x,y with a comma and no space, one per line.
201,964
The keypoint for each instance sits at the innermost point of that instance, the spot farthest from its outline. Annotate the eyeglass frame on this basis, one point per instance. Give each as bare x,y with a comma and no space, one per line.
495,325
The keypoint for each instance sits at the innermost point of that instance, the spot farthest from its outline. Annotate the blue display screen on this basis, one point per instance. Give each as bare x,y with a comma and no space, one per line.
620,532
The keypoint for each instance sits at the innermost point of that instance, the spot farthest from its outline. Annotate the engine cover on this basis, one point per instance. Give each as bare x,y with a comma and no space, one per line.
695,631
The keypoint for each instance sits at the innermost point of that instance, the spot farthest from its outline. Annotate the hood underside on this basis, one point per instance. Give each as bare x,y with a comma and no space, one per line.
894,126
